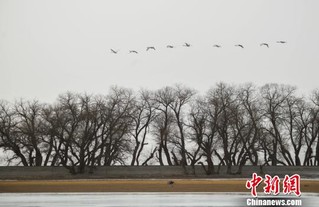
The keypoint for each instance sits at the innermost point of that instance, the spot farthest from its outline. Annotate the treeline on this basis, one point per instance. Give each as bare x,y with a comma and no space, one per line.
229,125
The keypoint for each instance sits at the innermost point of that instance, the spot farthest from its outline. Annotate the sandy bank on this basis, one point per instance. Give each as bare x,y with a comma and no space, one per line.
146,185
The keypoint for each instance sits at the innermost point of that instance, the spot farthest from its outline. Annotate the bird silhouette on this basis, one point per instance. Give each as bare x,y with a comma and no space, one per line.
150,48
282,42
114,51
133,51
170,183
218,46
264,44
240,46
187,44
170,46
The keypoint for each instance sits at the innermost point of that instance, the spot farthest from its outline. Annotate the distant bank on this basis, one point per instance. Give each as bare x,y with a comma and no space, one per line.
146,172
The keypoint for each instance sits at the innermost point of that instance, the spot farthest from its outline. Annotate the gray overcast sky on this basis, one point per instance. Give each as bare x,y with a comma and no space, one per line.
48,47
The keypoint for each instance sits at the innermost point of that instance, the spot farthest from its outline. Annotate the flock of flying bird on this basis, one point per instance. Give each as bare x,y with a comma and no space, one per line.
189,45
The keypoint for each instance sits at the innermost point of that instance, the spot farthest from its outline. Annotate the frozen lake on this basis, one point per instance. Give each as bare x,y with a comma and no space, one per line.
131,199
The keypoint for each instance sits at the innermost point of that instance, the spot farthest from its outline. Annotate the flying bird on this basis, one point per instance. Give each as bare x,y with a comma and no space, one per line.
133,51
282,42
187,44
218,46
264,44
170,46
240,46
114,51
150,48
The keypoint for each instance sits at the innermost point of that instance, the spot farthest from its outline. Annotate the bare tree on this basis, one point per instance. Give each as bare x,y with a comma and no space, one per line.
181,97
72,122
249,125
142,116
222,99
163,124
21,132
10,141
51,129
230,125
314,127
29,130
170,123
274,98
116,115
202,132
295,111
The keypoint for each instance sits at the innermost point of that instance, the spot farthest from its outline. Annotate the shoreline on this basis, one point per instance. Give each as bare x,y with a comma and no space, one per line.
138,185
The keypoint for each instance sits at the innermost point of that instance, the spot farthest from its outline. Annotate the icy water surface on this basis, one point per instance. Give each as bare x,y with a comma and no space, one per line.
130,199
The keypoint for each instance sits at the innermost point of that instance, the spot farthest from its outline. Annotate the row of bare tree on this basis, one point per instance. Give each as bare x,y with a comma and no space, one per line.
229,125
